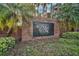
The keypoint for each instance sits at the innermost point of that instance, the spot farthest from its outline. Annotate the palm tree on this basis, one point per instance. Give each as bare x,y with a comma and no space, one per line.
12,15
69,14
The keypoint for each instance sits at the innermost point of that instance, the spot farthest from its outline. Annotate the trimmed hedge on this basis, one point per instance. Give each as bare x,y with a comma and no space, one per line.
71,35
6,43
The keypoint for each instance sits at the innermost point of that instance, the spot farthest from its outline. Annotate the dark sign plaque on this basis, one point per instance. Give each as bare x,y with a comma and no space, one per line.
43,29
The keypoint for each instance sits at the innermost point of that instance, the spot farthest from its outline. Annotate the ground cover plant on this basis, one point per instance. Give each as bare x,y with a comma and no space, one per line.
49,47
71,35
6,43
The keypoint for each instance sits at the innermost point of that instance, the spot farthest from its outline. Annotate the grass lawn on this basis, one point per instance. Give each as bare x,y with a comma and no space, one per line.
48,47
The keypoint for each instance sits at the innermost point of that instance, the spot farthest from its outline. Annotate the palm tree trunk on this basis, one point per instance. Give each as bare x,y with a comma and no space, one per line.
67,25
9,32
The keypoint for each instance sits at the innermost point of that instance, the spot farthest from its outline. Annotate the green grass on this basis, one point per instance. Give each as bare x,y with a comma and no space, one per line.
48,47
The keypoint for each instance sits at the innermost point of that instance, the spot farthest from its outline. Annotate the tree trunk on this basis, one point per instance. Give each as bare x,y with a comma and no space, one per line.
9,32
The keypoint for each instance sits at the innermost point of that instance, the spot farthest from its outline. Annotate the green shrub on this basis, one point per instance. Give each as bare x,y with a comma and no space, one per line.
71,35
6,43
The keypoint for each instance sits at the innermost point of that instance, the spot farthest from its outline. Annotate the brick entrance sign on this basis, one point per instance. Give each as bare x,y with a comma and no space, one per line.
40,29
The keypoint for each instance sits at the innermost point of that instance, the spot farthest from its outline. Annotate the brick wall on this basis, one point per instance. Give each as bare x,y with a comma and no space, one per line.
27,30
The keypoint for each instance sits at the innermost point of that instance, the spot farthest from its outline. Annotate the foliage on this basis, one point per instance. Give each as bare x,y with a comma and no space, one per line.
6,43
71,35
12,15
69,13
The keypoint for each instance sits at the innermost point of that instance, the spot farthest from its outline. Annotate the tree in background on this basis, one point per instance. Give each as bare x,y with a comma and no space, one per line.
69,15
12,15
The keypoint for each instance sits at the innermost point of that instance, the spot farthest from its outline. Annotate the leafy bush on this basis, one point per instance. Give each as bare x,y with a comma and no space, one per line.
71,35
6,43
